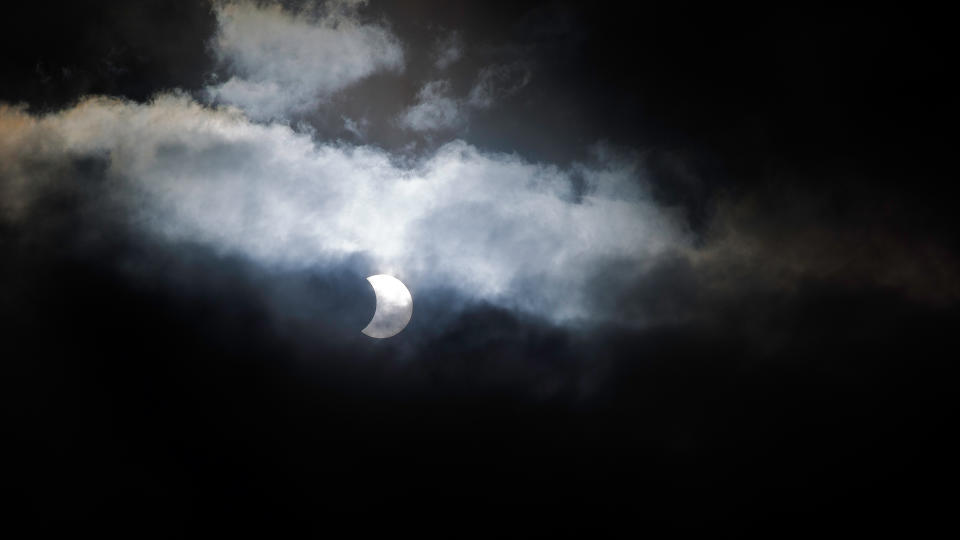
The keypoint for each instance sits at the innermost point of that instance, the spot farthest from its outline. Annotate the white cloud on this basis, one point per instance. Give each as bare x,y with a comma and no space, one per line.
492,226
282,62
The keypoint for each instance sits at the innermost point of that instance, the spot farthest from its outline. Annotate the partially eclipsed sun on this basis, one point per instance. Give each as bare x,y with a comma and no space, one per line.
394,307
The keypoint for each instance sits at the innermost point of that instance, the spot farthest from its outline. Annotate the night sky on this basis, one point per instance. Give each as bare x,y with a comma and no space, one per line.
684,267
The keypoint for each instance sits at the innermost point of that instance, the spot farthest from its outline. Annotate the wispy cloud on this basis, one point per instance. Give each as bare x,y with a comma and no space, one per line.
497,82
435,109
448,50
438,109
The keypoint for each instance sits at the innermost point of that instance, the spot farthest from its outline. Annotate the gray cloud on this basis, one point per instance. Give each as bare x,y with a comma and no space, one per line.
782,237
282,62
435,109
448,50
497,82
356,128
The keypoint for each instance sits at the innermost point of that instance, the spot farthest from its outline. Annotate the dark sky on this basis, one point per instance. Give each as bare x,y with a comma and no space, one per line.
687,267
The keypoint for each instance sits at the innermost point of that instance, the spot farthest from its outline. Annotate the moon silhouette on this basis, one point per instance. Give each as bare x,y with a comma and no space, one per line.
394,307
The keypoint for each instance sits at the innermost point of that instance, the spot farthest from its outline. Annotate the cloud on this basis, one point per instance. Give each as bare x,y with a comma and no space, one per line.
281,62
497,82
786,235
449,49
492,227
435,109
354,127
581,243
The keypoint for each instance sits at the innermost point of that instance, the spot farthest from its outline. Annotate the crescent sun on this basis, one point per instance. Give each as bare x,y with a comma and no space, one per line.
394,307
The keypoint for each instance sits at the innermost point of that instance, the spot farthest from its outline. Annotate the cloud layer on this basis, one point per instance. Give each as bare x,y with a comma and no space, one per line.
585,242
491,226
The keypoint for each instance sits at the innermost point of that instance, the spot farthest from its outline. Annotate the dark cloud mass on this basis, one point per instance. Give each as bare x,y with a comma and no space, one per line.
679,267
